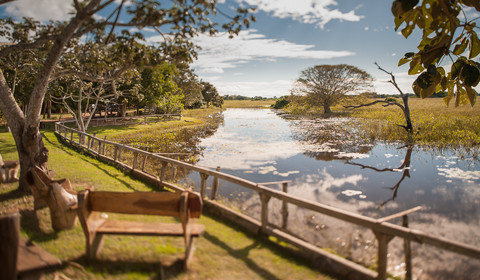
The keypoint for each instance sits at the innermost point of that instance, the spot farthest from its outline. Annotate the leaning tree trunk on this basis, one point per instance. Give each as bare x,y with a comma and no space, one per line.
406,113
24,127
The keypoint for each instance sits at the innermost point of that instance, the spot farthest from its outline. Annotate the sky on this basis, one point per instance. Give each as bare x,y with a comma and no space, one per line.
288,37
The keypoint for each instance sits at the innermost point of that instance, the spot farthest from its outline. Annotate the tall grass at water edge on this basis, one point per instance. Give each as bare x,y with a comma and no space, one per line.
434,123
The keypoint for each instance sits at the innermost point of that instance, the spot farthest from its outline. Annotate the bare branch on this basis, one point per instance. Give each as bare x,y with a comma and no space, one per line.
118,11
387,103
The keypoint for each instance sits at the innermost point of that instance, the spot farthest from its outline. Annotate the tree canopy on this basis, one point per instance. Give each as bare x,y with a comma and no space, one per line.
98,22
448,36
325,85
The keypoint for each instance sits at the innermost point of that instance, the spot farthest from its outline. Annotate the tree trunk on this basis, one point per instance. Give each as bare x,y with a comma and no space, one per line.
25,125
326,109
406,113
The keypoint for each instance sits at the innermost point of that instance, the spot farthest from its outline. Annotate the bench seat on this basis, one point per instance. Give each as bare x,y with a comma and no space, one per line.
141,228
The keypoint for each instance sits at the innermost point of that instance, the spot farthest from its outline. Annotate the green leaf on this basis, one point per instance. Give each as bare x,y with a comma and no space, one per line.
457,67
415,66
470,75
425,84
472,95
460,48
403,61
474,45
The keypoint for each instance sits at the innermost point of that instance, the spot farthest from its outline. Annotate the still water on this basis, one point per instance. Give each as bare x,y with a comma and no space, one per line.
326,161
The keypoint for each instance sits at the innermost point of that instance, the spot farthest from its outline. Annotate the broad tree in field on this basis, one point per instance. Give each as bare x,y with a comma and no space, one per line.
210,95
176,20
325,85
449,37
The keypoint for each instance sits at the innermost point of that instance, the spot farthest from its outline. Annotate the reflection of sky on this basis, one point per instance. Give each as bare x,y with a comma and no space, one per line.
249,139
259,146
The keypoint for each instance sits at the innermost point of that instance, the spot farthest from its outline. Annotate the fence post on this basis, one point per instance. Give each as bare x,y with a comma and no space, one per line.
104,144
408,251
383,240
164,169
144,162
71,135
215,185
115,153
264,215
9,240
284,207
203,185
134,164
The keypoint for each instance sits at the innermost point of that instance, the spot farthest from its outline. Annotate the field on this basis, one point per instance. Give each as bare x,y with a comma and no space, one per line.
248,103
434,123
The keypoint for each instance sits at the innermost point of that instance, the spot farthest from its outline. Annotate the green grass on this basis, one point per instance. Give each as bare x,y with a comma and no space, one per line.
223,252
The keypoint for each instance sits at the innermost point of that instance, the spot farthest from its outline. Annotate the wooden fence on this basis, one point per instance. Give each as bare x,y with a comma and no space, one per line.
135,161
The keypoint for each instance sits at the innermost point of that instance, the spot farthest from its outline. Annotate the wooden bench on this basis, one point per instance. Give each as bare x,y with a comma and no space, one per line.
185,205
8,170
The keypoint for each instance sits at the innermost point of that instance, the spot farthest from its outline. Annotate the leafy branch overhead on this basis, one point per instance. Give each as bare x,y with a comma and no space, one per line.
447,33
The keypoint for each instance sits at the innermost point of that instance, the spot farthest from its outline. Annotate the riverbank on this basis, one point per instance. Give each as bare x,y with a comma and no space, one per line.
224,252
435,124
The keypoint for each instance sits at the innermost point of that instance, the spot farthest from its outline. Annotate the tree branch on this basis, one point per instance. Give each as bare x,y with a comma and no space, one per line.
387,103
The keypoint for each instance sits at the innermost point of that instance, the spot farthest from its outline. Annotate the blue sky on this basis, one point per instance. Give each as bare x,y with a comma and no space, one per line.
288,37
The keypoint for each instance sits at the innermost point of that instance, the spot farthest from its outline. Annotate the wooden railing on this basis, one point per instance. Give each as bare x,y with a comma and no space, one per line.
136,161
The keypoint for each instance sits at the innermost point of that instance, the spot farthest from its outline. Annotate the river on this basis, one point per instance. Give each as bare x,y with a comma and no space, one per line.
324,164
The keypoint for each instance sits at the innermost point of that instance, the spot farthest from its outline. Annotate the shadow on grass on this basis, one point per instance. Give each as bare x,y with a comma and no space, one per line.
161,270
13,194
31,225
242,254
74,151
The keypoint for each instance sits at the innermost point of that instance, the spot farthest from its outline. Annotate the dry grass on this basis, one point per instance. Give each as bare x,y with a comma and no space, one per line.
434,123
248,103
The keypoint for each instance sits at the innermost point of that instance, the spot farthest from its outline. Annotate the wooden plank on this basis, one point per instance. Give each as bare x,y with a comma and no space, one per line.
140,228
32,258
400,214
143,203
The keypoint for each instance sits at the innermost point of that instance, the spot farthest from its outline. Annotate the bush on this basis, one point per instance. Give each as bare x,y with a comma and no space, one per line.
281,103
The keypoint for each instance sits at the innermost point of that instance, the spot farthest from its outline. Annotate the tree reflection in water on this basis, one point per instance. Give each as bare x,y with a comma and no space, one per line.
405,167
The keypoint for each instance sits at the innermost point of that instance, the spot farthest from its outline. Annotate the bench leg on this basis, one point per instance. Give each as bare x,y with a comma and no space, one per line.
189,249
95,246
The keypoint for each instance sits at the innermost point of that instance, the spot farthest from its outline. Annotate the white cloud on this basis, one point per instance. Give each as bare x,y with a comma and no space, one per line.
41,10
318,12
222,52
266,89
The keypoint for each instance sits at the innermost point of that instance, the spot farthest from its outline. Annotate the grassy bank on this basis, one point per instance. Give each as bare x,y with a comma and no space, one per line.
248,103
223,252
434,123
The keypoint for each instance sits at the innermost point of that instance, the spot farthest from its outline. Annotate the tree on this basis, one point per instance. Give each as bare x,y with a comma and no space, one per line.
325,85
178,21
210,95
159,87
389,101
447,33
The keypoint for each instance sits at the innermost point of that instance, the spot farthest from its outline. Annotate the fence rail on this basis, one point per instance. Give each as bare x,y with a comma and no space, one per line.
135,160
